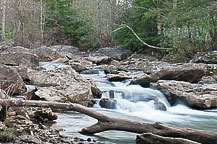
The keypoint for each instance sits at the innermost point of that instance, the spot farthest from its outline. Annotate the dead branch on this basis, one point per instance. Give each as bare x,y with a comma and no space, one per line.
154,47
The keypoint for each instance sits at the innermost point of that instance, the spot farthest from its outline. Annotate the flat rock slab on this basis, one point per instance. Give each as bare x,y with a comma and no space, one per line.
194,95
115,53
61,85
205,57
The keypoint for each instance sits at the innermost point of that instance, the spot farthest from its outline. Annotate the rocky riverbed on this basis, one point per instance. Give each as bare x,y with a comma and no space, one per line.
193,84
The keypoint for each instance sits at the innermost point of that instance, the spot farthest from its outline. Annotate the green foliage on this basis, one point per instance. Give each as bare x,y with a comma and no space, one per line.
8,33
143,22
188,27
66,23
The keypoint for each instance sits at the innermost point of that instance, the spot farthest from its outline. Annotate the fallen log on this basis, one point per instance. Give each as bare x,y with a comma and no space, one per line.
149,138
106,123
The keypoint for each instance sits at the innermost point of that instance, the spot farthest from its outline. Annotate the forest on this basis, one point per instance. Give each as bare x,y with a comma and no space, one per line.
185,27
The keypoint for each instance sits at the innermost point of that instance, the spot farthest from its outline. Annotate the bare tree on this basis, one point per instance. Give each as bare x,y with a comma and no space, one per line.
42,19
4,2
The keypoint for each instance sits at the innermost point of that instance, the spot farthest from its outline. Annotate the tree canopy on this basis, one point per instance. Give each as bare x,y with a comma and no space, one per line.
186,26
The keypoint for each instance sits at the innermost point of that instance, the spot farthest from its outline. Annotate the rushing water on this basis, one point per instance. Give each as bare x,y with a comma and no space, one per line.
137,103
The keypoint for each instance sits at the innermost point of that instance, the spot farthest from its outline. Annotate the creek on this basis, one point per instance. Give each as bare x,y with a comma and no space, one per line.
137,103
133,102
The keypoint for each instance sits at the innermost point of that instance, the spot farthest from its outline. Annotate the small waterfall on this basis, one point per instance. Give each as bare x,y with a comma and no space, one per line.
137,103
129,99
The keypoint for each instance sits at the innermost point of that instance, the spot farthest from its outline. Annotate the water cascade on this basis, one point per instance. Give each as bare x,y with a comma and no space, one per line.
137,103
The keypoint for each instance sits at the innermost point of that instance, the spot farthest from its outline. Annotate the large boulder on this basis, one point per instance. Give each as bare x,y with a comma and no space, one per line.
10,80
115,53
120,76
133,64
164,71
46,53
61,85
66,50
19,58
184,72
205,57
194,95
143,80
15,49
79,65
52,53
98,58
95,91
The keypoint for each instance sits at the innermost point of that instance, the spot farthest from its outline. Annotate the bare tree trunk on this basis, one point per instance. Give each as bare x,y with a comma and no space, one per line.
3,18
108,123
42,20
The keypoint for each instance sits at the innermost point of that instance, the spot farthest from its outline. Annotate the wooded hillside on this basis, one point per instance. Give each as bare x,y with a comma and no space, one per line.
186,26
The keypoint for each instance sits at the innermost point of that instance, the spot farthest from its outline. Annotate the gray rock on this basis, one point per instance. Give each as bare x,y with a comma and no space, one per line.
80,65
95,91
119,77
194,95
21,59
115,53
205,57
108,103
185,72
16,49
46,53
61,85
159,105
11,80
99,59
144,81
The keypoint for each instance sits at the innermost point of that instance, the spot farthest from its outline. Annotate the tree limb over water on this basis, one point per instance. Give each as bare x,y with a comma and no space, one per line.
154,47
105,123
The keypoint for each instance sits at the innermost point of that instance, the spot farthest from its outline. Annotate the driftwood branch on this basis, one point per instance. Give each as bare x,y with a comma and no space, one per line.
108,123
154,47
149,138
